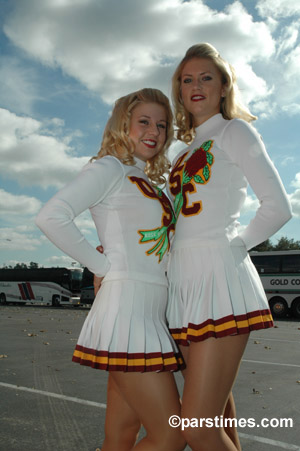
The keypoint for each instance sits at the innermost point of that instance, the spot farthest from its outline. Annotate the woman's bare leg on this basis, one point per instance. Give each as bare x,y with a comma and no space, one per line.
121,422
212,367
154,398
229,412
231,430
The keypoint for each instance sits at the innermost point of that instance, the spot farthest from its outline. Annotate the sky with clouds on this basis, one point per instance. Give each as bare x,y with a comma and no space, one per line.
64,62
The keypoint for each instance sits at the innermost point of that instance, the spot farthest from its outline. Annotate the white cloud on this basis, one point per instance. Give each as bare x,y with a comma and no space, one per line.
296,182
295,196
292,109
278,8
31,157
251,204
13,239
259,45
62,260
247,79
18,86
115,53
18,205
282,74
264,108
287,161
293,64
295,202
288,38
85,222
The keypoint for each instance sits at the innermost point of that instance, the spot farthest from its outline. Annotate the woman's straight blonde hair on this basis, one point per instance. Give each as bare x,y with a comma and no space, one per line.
231,106
116,141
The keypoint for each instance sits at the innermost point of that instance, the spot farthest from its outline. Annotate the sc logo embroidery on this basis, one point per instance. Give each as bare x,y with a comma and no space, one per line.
161,235
185,175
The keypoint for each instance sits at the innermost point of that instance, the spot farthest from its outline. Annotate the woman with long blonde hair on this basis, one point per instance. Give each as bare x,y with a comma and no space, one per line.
215,295
125,331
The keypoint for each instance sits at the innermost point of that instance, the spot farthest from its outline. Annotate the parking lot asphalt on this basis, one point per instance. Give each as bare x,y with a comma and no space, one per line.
49,403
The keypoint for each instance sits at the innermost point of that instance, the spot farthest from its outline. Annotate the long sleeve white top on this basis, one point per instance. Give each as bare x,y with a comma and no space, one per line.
209,186
133,221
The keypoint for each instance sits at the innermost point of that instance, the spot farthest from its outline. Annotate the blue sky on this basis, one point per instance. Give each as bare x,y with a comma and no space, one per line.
64,62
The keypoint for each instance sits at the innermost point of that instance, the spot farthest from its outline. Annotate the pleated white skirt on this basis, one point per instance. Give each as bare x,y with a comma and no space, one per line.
126,330
214,291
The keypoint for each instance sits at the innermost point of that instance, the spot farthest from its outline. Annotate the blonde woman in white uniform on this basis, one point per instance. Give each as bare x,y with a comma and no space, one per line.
125,332
215,295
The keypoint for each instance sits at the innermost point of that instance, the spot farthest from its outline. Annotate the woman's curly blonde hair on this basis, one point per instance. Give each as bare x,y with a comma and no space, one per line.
231,106
117,143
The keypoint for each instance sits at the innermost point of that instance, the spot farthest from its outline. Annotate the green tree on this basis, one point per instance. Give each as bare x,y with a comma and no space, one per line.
285,244
20,266
264,246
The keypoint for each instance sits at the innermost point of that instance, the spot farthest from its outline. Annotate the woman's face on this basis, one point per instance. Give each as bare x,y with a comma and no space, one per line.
148,129
201,89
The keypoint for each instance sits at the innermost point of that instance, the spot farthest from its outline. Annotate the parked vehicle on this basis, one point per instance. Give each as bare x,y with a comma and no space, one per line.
87,288
51,286
280,275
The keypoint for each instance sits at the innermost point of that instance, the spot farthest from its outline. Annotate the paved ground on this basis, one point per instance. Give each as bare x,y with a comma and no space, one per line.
49,403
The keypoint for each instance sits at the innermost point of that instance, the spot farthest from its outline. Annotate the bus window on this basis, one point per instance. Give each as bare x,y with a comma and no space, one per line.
266,264
291,263
65,280
76,277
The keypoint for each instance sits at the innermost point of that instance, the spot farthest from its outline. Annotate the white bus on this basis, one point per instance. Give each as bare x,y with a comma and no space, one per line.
280,275
50,286
87,295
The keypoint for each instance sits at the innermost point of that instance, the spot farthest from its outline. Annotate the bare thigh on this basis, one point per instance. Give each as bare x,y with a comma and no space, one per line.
121,421
154,398
229,410
211,371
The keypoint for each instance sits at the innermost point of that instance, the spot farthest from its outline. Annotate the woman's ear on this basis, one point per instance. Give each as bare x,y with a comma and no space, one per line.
224,90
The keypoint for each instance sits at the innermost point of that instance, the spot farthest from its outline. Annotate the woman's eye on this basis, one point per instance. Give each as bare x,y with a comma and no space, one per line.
187,80
144,121
207,78
163,126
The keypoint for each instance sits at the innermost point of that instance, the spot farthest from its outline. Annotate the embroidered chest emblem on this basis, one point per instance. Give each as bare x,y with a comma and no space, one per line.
186,174
160,235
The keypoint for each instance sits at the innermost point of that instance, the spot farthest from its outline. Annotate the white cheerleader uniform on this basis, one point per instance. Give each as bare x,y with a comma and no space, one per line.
125,329
214,289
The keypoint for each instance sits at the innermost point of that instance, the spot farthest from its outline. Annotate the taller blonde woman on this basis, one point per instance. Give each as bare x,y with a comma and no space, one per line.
215,295
125,332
